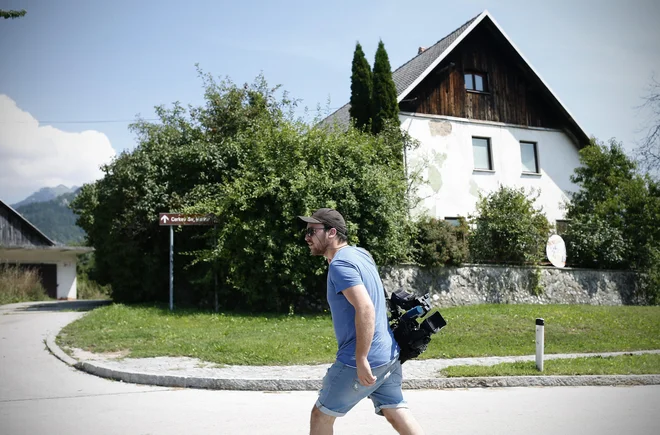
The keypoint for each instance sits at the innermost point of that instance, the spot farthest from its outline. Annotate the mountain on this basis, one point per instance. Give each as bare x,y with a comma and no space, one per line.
45,194
54,218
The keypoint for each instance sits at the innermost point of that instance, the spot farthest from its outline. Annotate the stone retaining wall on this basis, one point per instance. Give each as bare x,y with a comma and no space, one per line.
478,284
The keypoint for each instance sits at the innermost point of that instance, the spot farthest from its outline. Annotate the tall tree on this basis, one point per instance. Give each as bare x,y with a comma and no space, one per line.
361,87
12,14
384,106
649,150
614,216
242,156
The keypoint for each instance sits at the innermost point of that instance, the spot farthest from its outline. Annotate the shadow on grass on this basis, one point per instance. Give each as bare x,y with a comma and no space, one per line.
183,311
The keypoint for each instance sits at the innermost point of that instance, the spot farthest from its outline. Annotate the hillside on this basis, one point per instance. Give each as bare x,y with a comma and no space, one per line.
45,194
55,219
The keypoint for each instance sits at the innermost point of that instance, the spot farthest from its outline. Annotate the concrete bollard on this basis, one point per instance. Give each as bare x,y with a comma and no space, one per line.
540,323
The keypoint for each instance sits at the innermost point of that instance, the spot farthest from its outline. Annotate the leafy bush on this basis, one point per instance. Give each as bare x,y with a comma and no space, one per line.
594,242
244,158
615,216
20,285
86,287
439,243
508,229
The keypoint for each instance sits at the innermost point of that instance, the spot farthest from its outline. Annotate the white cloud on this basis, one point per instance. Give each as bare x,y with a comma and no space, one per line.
34,156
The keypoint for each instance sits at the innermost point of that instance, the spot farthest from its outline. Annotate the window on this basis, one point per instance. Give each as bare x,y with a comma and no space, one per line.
476,82
529,157
481,151
453,221
561,226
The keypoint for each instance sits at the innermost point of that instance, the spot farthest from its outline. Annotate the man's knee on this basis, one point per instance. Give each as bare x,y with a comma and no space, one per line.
393,416
318,417
402,420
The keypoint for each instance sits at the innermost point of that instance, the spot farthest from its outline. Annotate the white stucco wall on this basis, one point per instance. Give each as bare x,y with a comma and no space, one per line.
451,186
66,266
66,279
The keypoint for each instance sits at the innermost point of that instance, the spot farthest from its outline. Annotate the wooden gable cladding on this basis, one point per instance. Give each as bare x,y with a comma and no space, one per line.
513,94
16,231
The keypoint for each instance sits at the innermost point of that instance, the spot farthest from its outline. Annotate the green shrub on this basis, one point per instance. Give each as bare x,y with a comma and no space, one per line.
87,287
614,216
244,158
20,285
439,243
594,243
649,279
508,229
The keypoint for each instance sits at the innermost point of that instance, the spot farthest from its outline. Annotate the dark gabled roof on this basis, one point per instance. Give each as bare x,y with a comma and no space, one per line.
407,73
417,67
34,230
410,74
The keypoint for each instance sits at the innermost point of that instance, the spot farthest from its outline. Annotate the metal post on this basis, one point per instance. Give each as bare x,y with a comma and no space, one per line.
540,324
215,270
216,291
171,268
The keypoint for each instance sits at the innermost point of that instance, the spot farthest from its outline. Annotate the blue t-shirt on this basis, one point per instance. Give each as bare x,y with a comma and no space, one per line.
349,267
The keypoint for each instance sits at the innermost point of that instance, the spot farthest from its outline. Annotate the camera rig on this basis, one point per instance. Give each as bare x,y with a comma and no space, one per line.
411,329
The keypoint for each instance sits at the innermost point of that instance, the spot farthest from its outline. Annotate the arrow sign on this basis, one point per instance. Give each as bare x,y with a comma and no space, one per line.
176,219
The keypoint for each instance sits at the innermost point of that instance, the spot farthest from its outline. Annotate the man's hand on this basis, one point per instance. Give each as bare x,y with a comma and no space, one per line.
365,376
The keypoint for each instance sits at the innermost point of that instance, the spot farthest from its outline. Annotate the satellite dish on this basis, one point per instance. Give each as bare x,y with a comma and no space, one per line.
556,251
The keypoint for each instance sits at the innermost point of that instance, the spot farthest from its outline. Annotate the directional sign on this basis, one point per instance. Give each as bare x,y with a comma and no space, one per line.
175,219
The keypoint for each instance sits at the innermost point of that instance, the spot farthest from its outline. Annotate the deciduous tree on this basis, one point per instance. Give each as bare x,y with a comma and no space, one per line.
614,216
12,14
649,150
241,157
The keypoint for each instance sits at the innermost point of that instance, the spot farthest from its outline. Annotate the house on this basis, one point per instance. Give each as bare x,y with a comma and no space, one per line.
484,118
23,245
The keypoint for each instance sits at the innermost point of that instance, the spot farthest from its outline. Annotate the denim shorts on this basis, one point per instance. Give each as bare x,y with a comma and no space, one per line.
342,390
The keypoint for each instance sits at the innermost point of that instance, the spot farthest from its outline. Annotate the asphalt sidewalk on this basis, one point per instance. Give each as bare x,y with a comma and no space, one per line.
192,373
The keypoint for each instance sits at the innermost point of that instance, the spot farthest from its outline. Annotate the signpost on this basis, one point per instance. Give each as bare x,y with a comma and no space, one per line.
177,219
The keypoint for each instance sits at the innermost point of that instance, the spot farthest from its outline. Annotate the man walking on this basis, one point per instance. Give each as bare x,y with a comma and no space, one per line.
367,363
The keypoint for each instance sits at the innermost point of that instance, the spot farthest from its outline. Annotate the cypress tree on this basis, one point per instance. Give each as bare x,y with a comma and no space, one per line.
361,84
384,106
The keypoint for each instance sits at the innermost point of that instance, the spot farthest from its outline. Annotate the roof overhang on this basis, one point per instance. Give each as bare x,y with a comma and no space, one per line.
54,249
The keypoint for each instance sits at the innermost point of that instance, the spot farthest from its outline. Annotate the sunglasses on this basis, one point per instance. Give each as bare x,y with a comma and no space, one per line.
309,232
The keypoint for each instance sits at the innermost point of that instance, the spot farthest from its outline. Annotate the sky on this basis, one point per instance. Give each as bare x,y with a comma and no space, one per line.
75,73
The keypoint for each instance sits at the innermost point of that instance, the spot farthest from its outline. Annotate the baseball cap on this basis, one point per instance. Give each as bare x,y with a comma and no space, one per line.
328,217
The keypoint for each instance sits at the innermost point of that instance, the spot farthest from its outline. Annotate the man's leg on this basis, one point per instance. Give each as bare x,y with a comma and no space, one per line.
339,394
402,420
320,423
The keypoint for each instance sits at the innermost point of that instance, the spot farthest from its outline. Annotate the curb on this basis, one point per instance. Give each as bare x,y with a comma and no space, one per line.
314,385
59,353
532,381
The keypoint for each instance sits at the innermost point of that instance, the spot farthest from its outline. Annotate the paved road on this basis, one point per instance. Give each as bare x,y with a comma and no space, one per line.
41,395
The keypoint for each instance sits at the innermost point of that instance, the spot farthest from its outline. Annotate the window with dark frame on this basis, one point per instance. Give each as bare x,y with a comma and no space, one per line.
476,82
482,153
453,221
529,157
561,226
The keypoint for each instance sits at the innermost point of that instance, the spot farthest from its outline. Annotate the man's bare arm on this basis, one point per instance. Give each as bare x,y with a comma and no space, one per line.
365,323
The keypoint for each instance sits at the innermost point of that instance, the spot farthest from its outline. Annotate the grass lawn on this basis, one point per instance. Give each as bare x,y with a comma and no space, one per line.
509,330
611,365
481,330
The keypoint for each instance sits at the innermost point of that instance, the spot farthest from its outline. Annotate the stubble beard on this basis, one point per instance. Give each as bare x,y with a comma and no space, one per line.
319,250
